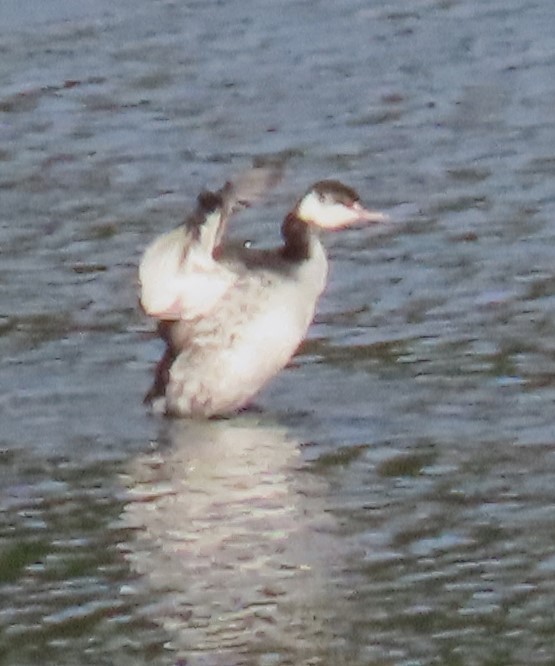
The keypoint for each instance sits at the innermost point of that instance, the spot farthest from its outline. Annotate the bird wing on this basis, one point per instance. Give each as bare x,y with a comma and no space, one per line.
246,189
179,278
178,274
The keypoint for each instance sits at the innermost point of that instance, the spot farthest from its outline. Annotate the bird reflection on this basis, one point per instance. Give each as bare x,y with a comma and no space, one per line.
232,544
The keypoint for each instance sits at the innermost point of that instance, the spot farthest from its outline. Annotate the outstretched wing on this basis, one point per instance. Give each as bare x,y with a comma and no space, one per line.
178,274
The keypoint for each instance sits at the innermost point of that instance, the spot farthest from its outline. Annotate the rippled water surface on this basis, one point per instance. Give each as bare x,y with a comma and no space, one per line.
391,503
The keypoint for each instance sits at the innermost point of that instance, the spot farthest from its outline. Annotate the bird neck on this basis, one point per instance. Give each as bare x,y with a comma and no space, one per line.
298,237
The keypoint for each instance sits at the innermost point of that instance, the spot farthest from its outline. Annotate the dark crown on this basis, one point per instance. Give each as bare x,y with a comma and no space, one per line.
335,190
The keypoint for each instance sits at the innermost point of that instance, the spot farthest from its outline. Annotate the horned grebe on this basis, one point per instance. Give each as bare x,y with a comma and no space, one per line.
232,317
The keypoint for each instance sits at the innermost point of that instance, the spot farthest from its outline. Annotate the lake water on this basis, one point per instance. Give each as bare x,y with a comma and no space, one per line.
391,501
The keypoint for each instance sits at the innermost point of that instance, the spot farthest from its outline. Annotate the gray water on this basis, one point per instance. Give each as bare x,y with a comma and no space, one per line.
391,502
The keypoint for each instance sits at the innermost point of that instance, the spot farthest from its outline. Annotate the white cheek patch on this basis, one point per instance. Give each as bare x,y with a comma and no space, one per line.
336,215
310,208
326,214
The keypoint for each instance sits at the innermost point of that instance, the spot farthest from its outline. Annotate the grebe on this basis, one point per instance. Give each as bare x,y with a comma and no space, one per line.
232,317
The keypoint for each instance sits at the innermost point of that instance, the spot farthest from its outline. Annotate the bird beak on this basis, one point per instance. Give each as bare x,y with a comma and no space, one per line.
370,216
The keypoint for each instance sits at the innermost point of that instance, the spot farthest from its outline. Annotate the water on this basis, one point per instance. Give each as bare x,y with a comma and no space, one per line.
391,503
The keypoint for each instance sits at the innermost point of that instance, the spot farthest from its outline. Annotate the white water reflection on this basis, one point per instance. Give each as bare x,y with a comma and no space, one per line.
232,544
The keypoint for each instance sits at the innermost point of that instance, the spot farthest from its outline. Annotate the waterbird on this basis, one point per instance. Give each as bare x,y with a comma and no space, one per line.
233,316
